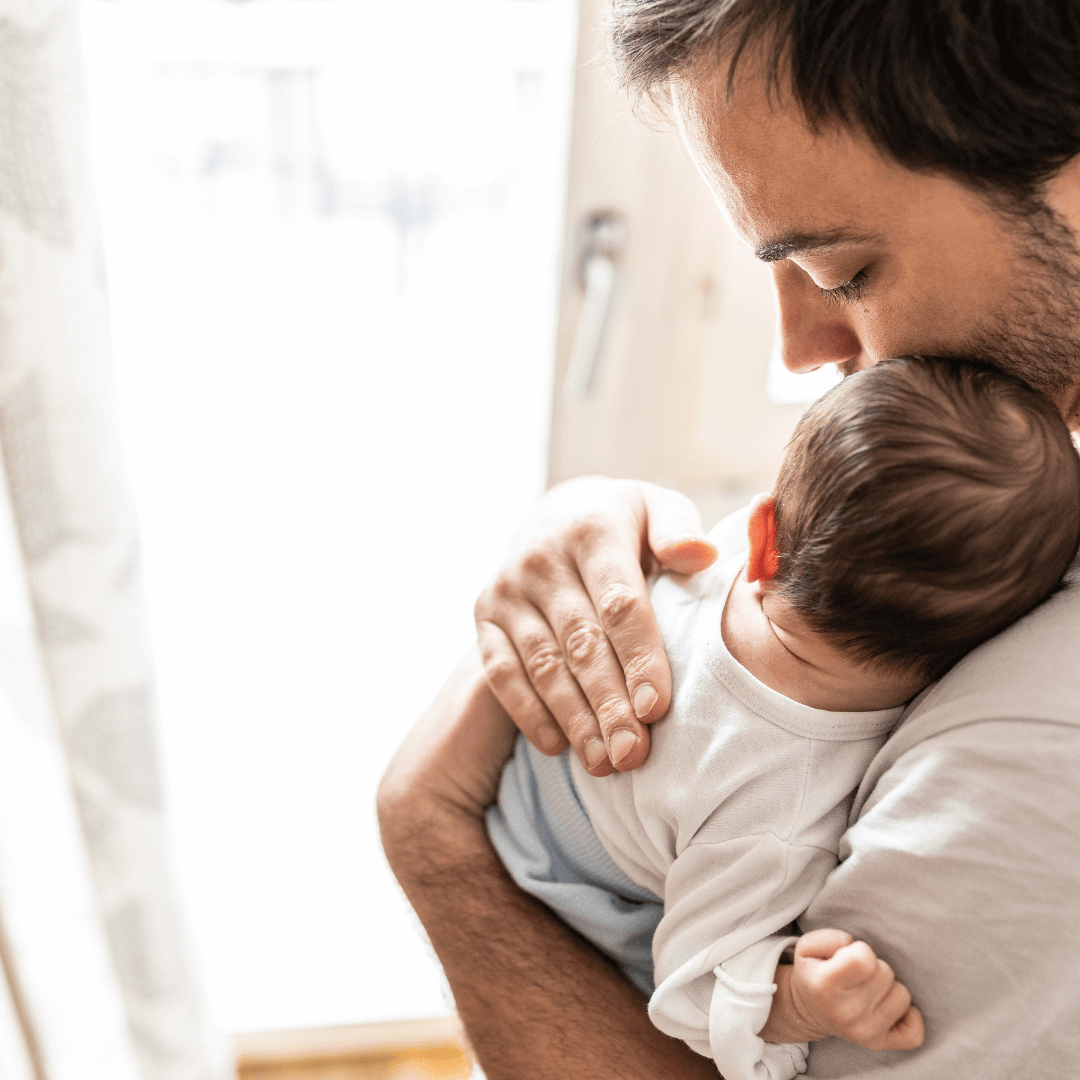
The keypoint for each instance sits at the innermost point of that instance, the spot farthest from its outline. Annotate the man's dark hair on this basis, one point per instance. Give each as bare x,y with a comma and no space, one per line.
924,504
985,90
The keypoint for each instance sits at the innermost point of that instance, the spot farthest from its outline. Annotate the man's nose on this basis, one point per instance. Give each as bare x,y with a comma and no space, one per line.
812,331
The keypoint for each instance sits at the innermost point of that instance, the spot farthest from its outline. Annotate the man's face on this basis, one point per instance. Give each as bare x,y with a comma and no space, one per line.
871,259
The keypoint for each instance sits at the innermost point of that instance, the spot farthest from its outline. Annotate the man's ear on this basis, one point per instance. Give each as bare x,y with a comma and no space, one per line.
763,561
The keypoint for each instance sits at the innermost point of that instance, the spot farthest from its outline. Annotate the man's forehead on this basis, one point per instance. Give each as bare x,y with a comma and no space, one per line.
764,159
783,187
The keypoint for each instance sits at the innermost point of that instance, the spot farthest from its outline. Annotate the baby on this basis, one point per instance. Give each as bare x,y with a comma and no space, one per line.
923,505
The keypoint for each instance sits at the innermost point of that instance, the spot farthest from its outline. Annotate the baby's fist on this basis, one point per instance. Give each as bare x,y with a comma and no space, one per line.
842,988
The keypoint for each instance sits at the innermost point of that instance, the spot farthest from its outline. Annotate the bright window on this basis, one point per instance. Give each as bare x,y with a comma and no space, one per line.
331,230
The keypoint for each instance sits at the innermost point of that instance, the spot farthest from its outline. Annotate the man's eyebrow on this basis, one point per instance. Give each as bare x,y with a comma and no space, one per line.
783,247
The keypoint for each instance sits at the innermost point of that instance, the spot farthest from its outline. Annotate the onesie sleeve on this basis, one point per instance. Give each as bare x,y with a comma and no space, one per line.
728,909
741,1000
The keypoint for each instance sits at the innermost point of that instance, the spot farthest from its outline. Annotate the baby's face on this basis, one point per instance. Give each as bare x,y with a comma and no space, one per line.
831,677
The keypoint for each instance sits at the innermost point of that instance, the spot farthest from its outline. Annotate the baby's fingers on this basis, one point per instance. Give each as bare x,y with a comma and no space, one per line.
851,967
889,1025
822,944
908,1033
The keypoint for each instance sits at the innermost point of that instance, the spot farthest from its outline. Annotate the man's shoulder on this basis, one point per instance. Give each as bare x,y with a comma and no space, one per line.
1029,673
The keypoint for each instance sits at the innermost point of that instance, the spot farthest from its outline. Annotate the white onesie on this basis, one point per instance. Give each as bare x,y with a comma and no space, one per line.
734,821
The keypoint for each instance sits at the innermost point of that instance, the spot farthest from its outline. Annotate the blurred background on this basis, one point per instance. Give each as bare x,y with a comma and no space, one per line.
377,274
331,230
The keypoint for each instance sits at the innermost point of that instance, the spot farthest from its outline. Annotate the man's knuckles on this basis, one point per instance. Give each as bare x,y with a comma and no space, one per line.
613,712
589,532
502,671
617,605
501,594
583,642
542,660
541,563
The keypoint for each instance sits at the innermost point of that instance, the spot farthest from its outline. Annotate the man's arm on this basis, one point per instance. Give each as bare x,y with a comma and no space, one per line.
537,1002
963,873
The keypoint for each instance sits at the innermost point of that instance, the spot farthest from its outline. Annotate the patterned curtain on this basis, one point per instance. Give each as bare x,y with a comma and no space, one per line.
96,978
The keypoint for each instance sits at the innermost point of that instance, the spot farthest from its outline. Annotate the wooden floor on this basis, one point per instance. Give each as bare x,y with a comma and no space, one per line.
409,1050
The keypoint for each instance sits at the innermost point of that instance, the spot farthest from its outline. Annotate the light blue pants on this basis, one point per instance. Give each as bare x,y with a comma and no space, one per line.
543,835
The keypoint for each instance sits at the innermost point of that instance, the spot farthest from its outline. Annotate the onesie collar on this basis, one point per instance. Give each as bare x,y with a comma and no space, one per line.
785,712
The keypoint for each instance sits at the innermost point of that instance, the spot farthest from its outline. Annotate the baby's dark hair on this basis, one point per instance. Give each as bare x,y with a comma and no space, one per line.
924,505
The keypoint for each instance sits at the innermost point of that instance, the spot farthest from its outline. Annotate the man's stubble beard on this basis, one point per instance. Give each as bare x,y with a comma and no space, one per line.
1038,337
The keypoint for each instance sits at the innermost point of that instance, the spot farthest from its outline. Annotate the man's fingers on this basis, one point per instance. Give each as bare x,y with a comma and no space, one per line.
554,665
675,534
511,686
603,621
687,556
583,636
548,677
624,614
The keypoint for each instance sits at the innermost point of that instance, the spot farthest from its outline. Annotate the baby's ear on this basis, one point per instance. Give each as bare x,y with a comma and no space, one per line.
763,561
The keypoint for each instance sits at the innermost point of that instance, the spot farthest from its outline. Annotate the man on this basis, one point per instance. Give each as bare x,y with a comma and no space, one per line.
910,171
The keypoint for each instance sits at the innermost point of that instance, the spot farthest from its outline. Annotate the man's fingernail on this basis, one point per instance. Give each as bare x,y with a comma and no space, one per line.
644,699
595,753
622,742
550,738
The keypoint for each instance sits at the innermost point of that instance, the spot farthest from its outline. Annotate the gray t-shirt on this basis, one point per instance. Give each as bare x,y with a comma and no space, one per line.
961,866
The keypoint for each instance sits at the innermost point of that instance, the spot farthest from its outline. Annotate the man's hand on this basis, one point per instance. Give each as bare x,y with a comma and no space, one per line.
568,637
838,986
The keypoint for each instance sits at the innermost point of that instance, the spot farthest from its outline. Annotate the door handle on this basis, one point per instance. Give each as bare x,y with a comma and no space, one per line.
602,243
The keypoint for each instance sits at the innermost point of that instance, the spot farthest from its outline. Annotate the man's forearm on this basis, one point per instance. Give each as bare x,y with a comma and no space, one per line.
536,1000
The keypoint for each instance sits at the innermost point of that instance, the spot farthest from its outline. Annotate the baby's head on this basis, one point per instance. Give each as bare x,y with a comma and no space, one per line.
924,504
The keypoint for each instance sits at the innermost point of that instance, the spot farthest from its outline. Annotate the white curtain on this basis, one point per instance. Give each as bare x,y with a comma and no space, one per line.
96,978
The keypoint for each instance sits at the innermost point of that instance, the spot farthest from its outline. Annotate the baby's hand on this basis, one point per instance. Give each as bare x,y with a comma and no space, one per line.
838,986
